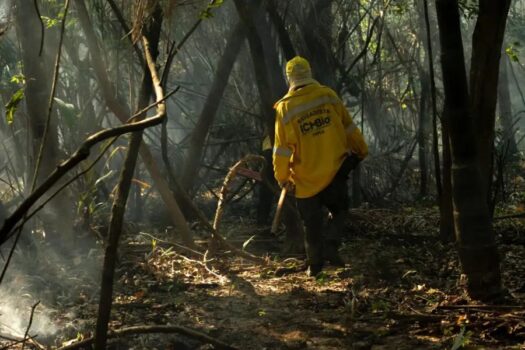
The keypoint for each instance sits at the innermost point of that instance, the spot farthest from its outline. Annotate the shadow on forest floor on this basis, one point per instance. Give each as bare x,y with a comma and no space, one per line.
398,291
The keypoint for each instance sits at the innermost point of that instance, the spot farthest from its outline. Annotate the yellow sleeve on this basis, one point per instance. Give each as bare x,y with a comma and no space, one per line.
282,152
354,137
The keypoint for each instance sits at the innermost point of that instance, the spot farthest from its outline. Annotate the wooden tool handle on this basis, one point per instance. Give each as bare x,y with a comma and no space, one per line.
277,217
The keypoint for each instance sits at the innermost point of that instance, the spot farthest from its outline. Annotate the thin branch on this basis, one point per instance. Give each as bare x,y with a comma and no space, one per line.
126,29
33,308
365,48
51,97
42,29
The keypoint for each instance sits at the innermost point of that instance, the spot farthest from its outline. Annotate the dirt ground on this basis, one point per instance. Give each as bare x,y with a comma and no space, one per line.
400,289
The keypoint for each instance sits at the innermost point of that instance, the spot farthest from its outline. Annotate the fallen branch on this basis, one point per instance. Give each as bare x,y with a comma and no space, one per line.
220,209
483,307
134,330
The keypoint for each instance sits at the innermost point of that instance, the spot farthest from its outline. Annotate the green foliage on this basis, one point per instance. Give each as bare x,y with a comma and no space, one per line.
18,79
513,52
207,13
50,22
401,7
12,105
322,278
462,339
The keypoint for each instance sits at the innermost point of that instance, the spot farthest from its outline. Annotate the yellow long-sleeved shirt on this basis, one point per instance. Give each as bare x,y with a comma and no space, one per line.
313,134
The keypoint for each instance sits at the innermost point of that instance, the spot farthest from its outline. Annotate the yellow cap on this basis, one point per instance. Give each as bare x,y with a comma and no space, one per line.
298,72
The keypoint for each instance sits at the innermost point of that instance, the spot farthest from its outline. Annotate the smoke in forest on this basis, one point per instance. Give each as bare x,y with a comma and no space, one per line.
54,274
15,313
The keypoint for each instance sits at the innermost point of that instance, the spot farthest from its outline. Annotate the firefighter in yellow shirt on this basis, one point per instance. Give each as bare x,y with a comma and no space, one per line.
316,146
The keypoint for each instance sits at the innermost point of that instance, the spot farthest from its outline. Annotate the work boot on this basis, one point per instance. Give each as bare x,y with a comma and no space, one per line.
314,270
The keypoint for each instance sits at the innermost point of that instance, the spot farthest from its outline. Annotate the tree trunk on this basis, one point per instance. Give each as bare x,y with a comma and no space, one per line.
200,132
37,71
487,42
475,238
119,204
505,109
278,23
317,34
422,135
446,210
426,75
270,44
247,11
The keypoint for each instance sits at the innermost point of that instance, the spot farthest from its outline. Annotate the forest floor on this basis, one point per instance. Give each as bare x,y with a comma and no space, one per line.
399,290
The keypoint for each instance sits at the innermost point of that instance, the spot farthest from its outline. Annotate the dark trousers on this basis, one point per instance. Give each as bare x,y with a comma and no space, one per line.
321,243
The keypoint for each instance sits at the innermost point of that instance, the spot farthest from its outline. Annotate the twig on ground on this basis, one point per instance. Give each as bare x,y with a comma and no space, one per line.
155,329
512,216
18,341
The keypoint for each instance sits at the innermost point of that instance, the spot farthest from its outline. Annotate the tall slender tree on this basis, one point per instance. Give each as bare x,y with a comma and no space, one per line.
466,111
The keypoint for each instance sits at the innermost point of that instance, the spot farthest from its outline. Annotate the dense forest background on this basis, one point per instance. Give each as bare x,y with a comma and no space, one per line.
130,162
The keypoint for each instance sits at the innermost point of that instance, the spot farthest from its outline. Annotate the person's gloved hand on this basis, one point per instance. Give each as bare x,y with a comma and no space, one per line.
353,161
289,185
350,163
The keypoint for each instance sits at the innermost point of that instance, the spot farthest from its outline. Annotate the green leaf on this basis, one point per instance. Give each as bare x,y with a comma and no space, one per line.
205,14
12,105
459,339
18,79
50,22
513,53
216,3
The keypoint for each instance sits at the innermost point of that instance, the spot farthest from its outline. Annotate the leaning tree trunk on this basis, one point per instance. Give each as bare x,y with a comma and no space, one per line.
475,237
200,132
